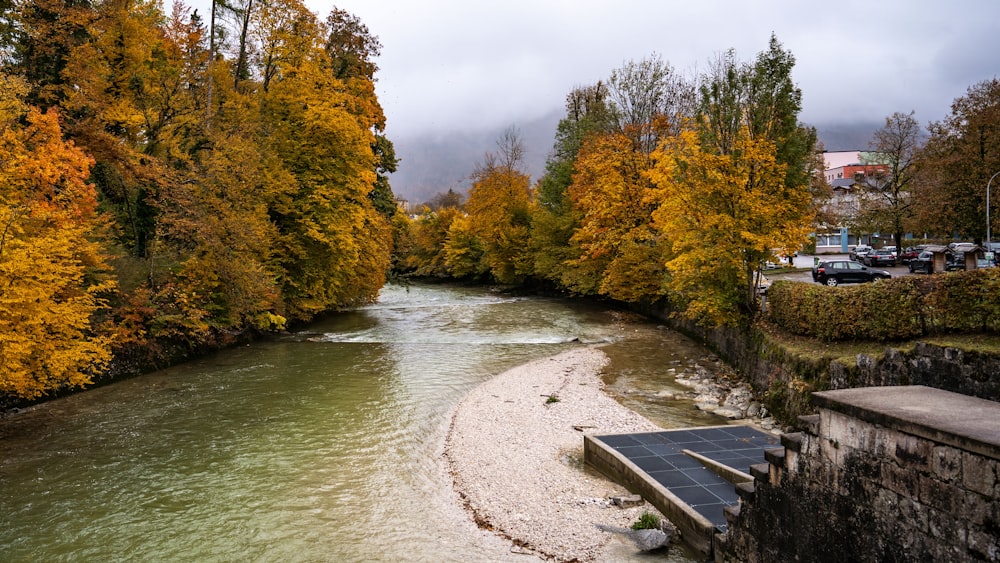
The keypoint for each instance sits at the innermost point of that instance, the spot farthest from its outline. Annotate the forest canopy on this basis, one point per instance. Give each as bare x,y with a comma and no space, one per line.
660,189
176,181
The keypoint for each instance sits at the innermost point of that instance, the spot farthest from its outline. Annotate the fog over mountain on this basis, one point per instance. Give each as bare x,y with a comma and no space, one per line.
432,164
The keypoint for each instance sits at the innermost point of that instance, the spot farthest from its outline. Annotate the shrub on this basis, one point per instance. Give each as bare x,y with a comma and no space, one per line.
890,310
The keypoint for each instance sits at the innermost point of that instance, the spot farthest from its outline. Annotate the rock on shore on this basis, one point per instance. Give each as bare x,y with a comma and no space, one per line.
515,450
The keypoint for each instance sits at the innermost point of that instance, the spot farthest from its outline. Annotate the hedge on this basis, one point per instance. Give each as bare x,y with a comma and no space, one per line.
890,310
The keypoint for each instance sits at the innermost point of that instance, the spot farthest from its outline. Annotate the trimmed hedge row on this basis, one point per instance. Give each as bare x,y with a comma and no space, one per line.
890,310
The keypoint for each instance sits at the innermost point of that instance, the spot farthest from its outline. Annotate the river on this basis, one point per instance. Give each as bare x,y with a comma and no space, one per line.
321,445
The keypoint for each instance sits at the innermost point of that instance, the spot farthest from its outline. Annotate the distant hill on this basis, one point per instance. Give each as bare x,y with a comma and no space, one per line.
432,164
846,136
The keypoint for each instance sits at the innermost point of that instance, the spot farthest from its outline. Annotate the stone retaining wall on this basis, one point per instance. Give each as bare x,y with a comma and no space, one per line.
888,474
785,380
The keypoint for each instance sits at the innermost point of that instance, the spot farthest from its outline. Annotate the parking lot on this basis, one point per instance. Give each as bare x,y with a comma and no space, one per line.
808,260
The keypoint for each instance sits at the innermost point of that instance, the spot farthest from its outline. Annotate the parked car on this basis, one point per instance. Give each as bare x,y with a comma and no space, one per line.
909,253
859,251
836,272
882,256
924,262
954,260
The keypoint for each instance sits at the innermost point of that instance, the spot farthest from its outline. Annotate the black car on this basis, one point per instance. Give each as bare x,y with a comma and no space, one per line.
836,272
924,262
882,256
954,260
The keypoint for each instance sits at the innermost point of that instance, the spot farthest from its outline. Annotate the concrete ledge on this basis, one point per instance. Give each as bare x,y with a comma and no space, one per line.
792,441
722,470
810,422
948,418
775,456
746,490
760,471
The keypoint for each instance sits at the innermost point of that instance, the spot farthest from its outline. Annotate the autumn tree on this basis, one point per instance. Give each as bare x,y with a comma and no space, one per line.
352,50
133,105
886,197
619,255
961,154
498,217
646,97
554,220
221,229
735,186
241,167
43,34
52,273
427,255
334,245
721,213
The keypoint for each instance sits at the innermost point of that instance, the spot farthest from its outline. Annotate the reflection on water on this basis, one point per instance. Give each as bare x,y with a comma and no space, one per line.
323,445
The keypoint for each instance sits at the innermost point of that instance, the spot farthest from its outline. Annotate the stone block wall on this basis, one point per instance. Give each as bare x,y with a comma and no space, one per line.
880,474
784,380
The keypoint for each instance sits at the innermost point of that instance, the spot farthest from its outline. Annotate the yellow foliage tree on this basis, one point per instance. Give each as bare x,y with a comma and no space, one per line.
723,214
498,209
335,246
619,253
50,269
463,251
426,257
222,221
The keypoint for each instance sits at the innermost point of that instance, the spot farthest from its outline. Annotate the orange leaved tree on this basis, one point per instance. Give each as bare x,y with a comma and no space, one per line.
50,268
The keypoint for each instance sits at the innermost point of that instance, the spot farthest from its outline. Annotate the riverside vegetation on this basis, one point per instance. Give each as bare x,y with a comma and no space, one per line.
174,184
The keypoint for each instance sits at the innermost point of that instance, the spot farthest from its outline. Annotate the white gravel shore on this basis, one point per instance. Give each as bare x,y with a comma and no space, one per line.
517,458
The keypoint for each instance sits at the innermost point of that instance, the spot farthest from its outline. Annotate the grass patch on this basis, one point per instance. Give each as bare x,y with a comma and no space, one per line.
815,349
983,343
648,521
551,399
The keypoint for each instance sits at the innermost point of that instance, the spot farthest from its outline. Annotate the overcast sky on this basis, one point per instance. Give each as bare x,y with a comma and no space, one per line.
467,64
482,65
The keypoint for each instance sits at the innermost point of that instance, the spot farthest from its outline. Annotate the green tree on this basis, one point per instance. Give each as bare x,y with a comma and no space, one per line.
554,219
961,154
745,185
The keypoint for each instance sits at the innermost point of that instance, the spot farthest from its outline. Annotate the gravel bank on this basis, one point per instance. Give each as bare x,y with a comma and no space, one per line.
517,458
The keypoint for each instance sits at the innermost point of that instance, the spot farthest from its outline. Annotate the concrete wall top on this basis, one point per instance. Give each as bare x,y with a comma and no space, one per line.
950,418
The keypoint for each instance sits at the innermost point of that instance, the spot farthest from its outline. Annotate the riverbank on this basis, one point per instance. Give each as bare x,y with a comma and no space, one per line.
515,451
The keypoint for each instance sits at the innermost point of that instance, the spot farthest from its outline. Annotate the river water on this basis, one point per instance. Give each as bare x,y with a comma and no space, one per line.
322,445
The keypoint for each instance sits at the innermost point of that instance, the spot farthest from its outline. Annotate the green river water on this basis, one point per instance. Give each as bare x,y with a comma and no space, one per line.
321,445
